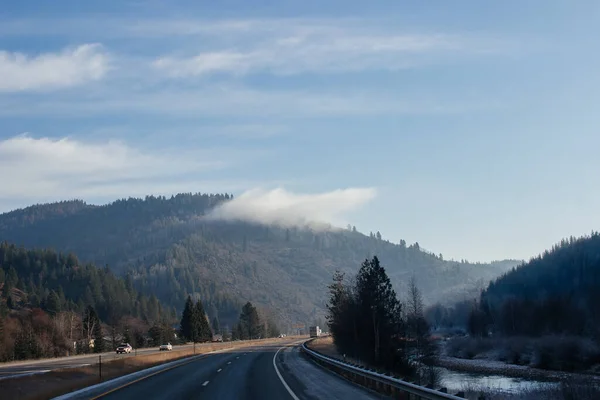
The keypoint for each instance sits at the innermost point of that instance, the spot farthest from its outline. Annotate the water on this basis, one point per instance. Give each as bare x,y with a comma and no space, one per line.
456,381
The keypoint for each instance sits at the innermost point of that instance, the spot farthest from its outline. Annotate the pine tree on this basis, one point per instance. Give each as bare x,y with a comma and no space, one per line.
215,325
202,326
250,323
379,312
187,320
98,338
52,303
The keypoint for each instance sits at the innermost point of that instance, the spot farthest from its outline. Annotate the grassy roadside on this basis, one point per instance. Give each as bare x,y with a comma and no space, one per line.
58,382
325,346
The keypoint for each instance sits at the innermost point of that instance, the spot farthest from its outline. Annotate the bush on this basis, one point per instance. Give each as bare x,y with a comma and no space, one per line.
469,347
515,350
568,353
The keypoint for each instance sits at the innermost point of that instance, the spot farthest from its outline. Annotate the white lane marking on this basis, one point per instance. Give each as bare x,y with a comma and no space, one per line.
219,370
281,377
237,358
229,363
205,383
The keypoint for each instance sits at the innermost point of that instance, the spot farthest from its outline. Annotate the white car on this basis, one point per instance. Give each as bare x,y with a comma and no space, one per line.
124,348
167,347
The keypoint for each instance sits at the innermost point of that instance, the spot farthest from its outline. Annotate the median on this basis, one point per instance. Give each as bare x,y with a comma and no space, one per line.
62,381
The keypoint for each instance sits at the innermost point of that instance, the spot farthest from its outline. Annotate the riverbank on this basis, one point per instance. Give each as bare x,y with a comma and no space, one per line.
492,367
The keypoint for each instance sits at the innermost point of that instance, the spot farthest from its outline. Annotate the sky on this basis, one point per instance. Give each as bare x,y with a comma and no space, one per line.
469,127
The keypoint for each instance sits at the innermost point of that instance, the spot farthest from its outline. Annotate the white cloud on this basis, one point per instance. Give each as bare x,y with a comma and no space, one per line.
65,168
314,51
284,208
70,67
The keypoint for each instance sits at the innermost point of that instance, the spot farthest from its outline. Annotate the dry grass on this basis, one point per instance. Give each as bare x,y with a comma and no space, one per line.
325,345
58,382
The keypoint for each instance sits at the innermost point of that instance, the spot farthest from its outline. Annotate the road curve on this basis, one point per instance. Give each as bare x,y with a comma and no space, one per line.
261,372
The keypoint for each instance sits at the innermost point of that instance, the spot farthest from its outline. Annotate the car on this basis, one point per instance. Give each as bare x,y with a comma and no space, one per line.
166,347
124,348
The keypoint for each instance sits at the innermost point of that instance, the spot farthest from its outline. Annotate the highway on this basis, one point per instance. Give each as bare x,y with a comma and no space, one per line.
259,372
30,367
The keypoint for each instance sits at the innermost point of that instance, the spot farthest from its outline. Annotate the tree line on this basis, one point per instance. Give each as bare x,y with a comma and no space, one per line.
369,323
53,305
557,292
195,325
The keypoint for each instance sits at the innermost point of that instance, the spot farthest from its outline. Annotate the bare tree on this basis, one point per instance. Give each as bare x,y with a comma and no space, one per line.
415,300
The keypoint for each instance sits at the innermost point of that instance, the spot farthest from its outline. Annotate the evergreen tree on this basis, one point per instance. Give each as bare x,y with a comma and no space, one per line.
98,338
272,328
215,325
203,331
342,317
250,324
52,303
378,312
187,320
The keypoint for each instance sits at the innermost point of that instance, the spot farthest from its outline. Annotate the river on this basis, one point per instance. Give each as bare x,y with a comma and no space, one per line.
457,381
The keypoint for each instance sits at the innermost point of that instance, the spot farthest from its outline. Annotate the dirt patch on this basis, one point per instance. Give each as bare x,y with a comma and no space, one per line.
58,382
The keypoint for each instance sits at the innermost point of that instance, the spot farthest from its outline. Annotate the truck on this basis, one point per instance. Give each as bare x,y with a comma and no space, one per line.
314,331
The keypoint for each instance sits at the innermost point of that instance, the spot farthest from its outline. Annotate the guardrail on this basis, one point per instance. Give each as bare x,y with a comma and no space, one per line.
381,383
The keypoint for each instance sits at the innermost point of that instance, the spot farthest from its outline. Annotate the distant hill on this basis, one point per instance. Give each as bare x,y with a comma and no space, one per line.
555,292
59,282
168,248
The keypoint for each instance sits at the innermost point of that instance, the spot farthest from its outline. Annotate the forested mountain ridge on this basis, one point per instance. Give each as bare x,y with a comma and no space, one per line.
58,282
169,249
557,292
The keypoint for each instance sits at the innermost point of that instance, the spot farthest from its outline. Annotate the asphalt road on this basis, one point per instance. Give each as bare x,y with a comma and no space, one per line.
30,367
245,374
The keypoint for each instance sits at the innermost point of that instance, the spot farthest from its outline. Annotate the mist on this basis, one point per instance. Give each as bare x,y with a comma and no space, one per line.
280,207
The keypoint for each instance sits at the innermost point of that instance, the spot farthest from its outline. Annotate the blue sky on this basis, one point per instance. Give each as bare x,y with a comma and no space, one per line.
468,126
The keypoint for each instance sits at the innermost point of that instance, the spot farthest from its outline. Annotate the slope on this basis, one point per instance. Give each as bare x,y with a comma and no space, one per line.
557,292
169,249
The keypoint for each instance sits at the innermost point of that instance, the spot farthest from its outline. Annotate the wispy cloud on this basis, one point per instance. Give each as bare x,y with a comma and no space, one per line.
241,101
284,208
70,67
323,50
35,168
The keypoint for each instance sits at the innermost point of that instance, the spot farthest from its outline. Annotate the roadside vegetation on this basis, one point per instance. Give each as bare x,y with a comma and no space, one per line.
370,324
52,305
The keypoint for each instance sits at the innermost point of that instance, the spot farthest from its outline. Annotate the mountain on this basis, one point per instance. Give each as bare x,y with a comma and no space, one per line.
169,248
557,292
59,282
